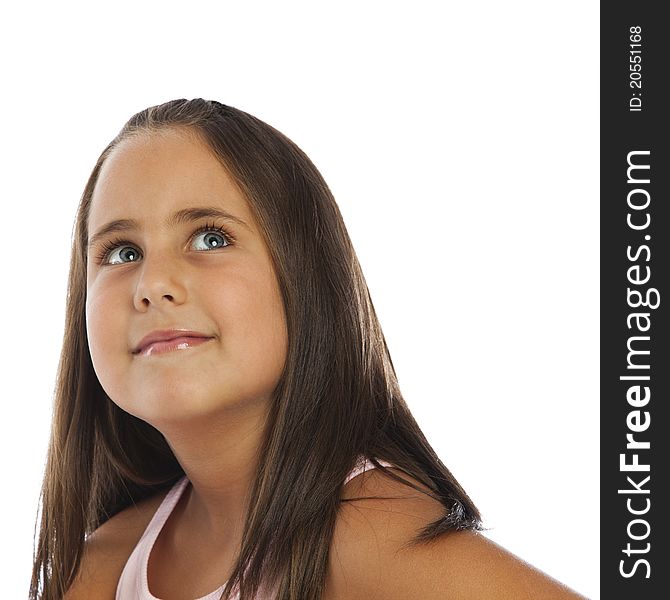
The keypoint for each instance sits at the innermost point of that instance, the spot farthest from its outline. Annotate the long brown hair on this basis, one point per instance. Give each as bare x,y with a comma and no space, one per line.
338,386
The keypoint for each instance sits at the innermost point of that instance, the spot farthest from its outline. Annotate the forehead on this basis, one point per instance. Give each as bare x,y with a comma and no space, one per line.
159,173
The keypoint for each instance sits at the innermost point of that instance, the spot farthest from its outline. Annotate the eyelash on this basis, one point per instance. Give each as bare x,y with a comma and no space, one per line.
113,244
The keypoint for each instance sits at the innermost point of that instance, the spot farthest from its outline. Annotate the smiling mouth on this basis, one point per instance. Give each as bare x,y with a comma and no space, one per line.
166,346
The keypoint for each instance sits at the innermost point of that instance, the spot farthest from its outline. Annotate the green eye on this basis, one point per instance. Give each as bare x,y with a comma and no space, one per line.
116,248
213,239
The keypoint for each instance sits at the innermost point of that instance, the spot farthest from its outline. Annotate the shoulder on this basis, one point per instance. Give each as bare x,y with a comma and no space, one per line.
107,549
370,558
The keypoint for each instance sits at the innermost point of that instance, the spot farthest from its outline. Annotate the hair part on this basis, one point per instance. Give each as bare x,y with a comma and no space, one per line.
338,385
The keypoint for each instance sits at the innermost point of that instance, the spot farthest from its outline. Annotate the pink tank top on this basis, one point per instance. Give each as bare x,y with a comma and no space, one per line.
134,584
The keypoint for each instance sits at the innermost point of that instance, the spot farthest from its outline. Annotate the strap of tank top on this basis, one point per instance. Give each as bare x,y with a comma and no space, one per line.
364,464
165,509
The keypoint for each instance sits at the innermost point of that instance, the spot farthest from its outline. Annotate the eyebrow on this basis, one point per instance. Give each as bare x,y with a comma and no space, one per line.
186,215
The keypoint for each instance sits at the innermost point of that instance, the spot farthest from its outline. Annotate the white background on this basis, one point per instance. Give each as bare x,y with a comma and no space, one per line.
461,142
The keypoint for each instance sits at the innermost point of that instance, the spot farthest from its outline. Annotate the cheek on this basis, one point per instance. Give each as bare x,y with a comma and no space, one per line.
267,327
252,312
103,329
275,335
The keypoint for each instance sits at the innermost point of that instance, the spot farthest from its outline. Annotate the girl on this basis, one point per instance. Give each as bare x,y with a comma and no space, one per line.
228,423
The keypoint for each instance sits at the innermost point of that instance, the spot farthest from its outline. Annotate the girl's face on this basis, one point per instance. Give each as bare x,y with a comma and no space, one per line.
157,260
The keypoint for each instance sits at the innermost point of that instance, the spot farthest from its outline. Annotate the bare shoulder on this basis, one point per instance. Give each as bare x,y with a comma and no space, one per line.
107,549
370,558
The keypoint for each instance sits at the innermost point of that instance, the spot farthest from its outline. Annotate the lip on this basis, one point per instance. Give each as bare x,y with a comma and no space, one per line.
169,339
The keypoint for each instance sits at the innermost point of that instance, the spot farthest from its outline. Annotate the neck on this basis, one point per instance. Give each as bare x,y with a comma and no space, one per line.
220,458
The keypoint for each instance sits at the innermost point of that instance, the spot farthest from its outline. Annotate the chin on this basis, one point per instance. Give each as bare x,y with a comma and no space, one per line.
164,411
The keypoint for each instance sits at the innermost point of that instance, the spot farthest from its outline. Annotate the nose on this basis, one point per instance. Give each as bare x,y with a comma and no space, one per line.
159,281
